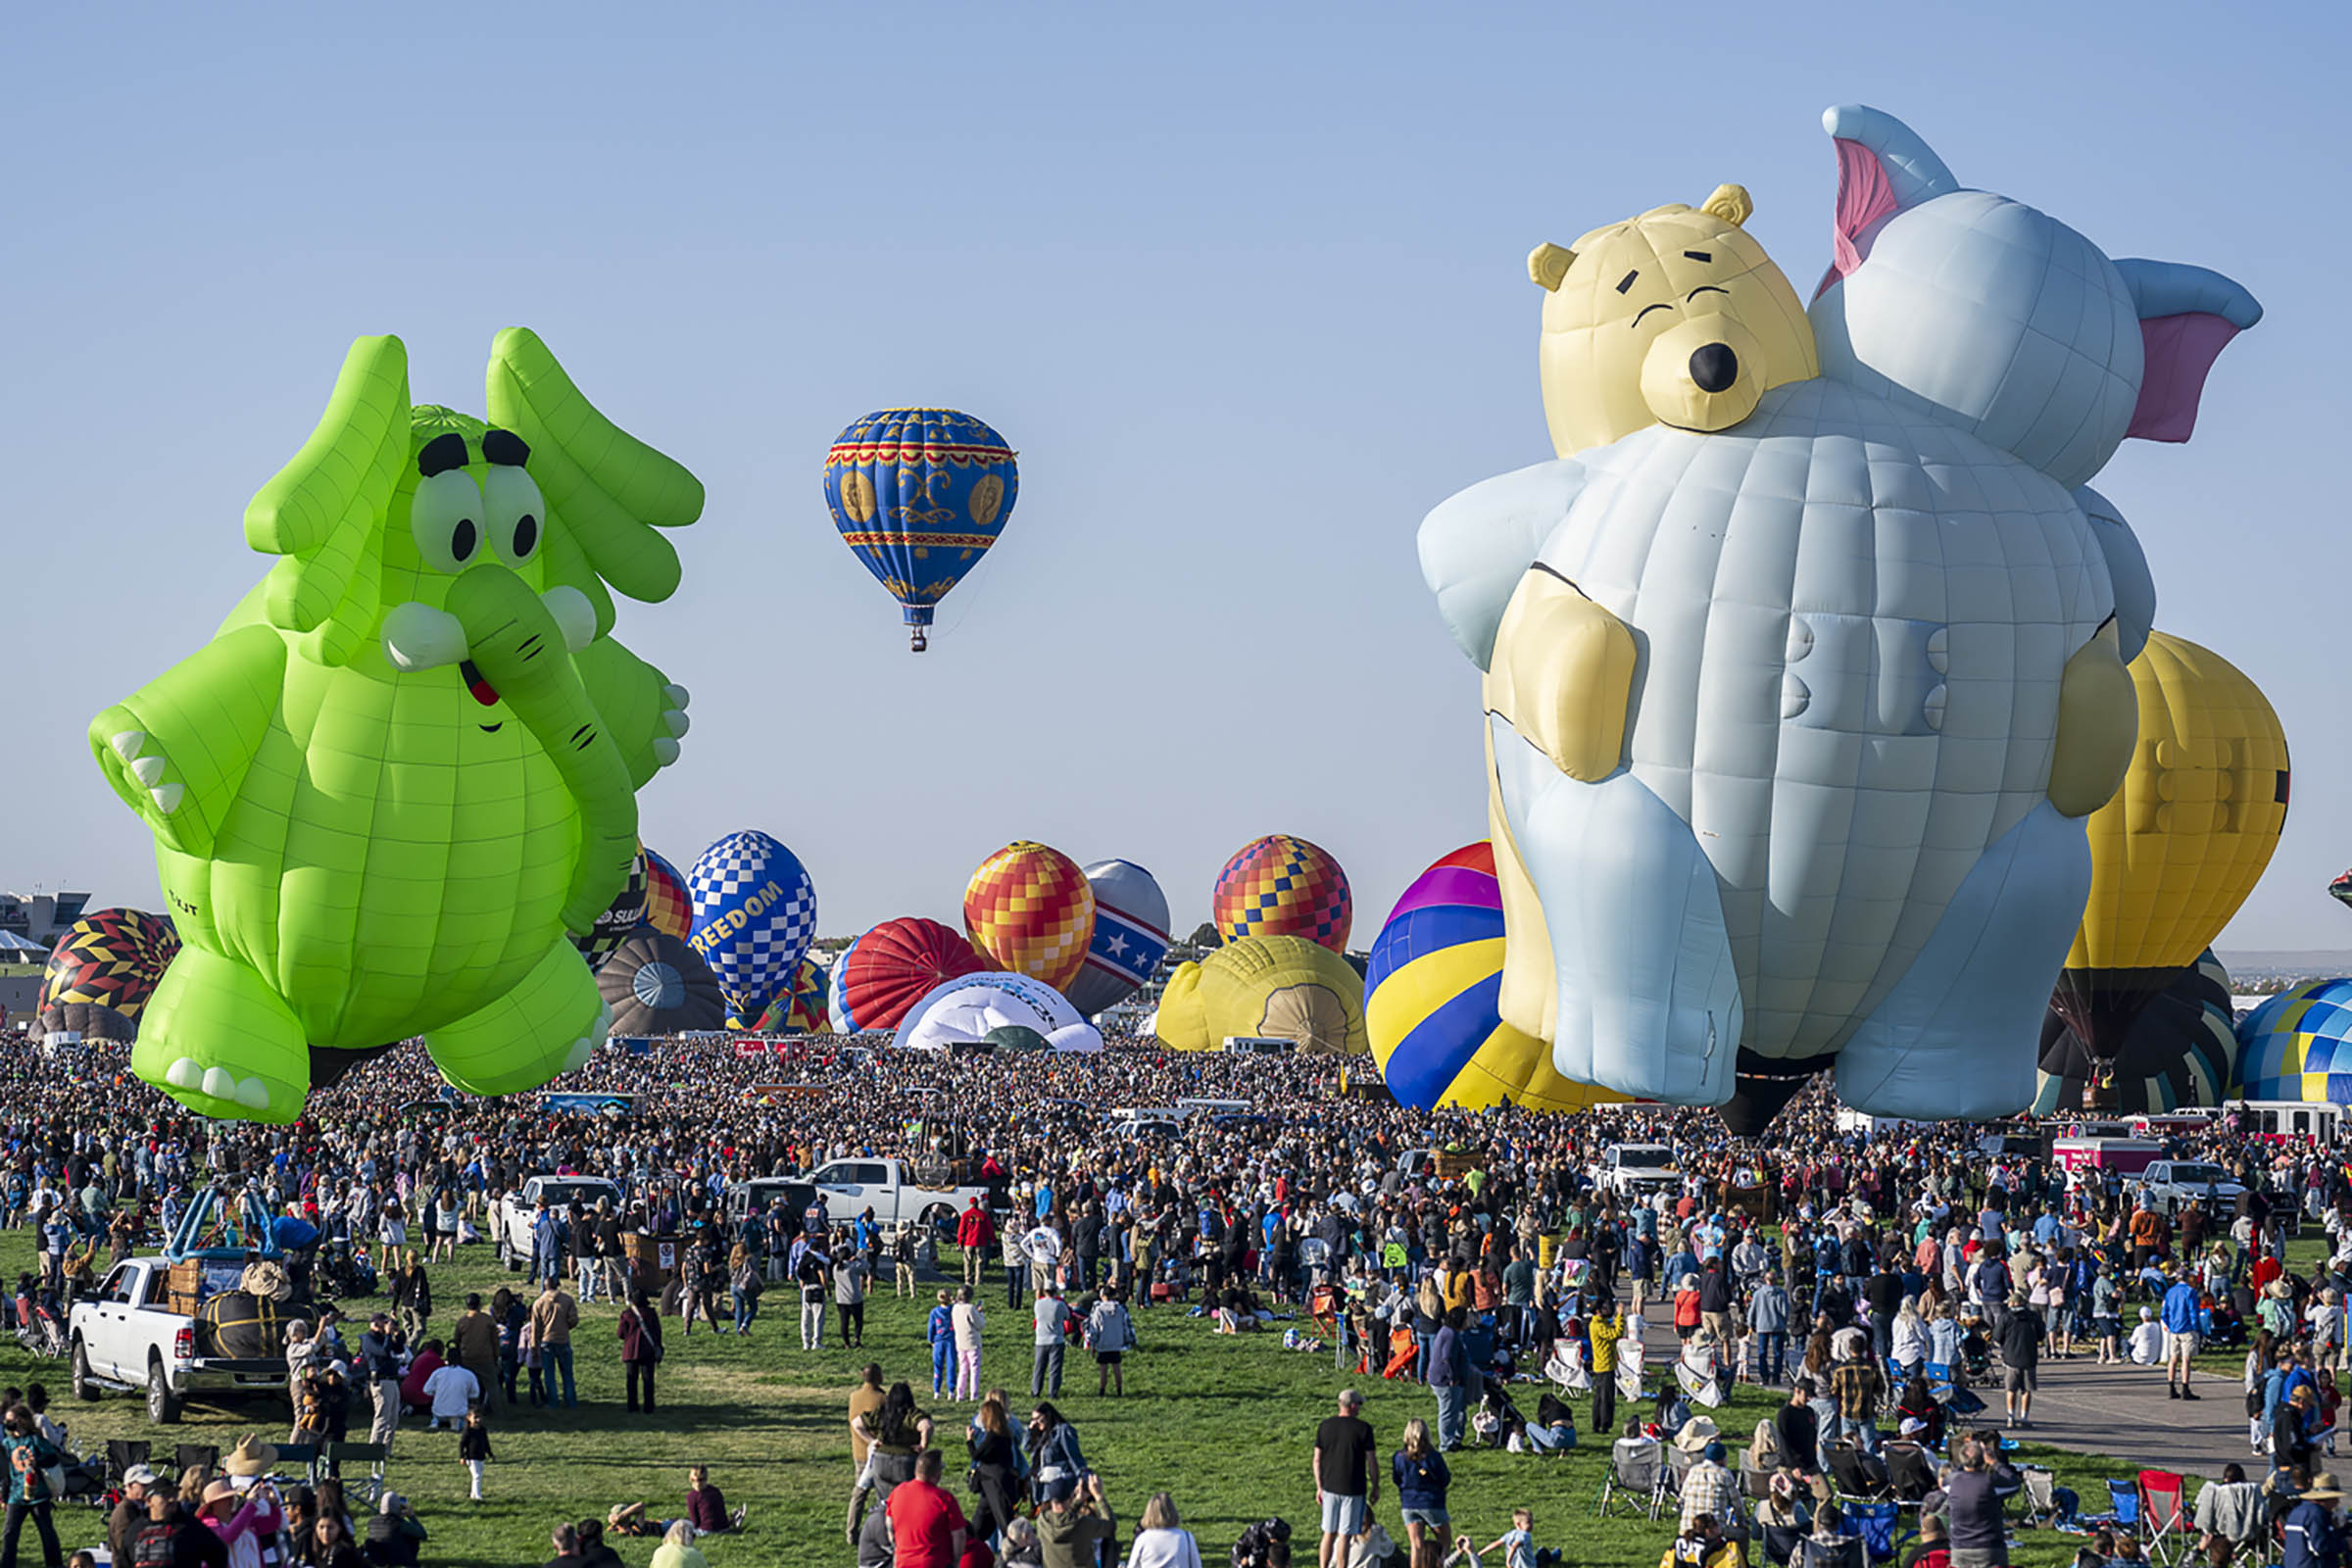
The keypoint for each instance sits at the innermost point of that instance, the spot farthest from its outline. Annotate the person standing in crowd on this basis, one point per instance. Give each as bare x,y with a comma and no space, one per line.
1111,1335
864,1401
2020,1331
2312,1536
640,1333
814,1273
967,1321
30,1459
2181,1317
553,1318
474,1345
1449,1379
1347,1486
1050,1315
851,1278
384,1381
976,1234
939,1333
1973,1495
1422,1479
1602,1331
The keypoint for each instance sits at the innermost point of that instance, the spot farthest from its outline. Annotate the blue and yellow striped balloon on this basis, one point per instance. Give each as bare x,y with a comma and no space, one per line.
2298,1045
919,494
1430,999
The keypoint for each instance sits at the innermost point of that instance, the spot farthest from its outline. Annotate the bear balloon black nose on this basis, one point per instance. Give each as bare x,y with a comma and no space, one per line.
1714,367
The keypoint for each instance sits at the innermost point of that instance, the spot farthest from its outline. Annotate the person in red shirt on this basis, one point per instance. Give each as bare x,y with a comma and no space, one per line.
924,1519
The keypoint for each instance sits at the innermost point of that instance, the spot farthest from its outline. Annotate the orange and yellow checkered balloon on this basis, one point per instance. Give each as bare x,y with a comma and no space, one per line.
1030,910
1279,886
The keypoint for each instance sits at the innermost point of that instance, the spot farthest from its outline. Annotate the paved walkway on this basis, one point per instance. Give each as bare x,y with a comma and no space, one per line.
2119,1412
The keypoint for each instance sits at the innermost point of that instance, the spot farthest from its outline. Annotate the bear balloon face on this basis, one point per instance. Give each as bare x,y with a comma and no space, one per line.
1673,317
2003,320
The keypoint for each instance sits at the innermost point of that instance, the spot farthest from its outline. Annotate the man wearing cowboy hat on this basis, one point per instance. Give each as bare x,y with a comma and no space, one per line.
2312,1535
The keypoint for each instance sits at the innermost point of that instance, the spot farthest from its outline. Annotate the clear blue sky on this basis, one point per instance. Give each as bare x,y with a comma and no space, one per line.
1246,294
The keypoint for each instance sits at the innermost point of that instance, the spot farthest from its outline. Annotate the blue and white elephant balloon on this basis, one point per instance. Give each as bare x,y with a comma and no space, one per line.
1797,695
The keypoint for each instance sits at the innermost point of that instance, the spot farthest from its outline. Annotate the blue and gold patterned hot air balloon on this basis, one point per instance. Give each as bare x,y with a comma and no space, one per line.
920,494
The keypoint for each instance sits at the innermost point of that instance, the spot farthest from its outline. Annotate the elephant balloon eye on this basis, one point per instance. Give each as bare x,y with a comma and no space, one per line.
445,520
514,513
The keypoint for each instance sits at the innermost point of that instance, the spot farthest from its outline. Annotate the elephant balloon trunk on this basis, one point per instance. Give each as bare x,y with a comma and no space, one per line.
516,654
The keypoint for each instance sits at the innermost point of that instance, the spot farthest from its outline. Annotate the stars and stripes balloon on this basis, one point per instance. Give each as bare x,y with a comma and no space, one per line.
755,913
1279,886
919,494
1030,910
1131,935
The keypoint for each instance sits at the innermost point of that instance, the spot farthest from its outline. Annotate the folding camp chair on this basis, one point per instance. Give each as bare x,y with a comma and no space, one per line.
1755,1485
1637,1471
2123,1499
303,1457
1854,1477
2163,1505
1873,1524
121,1455
339,1455
1909,1472
207,1455
2040,1490
1848,1552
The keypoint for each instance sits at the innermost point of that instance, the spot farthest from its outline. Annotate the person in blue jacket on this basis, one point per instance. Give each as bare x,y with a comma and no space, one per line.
2182,1322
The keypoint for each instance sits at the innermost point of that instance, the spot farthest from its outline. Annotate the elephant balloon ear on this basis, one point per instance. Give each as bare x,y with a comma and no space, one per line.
1883,168
606,490
322,511
2187,314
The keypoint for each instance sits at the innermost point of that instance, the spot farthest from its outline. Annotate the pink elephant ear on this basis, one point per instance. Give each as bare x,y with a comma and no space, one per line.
1883,168
1864,196
2187,314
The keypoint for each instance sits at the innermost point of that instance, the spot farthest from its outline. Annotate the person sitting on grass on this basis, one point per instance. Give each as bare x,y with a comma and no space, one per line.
706,1506
1517,1545
677,1548
1703,1544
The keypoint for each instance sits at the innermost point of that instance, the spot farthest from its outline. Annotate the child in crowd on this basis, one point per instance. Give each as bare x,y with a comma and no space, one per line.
1517,1545
473,1446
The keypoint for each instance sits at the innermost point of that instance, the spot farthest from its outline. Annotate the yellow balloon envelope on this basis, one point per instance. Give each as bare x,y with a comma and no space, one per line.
2183,843
1284,988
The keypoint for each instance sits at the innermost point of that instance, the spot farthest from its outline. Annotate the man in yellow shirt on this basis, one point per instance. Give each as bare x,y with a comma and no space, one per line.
1604,1331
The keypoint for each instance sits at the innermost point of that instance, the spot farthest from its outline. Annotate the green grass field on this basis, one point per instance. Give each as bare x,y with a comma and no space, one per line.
1224,1423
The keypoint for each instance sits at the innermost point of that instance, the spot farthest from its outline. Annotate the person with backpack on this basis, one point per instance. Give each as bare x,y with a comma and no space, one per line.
813,1275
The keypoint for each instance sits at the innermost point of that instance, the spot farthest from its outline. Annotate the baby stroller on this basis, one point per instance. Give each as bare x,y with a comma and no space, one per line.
1496,1420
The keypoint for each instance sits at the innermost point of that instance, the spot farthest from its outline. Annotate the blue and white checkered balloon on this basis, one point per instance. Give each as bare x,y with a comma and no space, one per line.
755,913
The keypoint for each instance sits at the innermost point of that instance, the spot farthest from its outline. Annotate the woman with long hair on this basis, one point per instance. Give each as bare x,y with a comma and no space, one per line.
894,1435
1056,1463
995,1474
1422,1477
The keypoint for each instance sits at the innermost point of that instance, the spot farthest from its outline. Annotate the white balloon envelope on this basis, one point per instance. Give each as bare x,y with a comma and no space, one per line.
961,1011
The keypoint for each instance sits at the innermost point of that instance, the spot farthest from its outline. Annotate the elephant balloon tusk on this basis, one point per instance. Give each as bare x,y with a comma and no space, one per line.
416,636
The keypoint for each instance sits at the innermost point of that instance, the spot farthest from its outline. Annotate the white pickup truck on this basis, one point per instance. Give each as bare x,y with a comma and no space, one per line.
851,1187
127,1337
518,1211
1637,1170
2173,1182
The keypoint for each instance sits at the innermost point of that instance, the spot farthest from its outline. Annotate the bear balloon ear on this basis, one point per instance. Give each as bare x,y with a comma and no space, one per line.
1547,263
1883,168
1729,203
2187,314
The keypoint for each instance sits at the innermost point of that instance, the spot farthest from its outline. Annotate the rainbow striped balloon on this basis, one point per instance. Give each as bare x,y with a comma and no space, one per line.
1430,999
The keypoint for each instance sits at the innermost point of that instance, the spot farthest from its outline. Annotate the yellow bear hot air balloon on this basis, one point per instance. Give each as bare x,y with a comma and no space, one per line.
1281,988
2181,844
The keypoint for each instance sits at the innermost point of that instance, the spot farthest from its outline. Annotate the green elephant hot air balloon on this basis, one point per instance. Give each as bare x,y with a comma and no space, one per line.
402,778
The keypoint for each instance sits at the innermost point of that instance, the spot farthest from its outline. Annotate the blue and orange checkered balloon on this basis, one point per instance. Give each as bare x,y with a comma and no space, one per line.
1279,886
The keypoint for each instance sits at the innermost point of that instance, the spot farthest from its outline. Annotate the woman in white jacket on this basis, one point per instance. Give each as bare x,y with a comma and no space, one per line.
1160,1539
1908,1340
